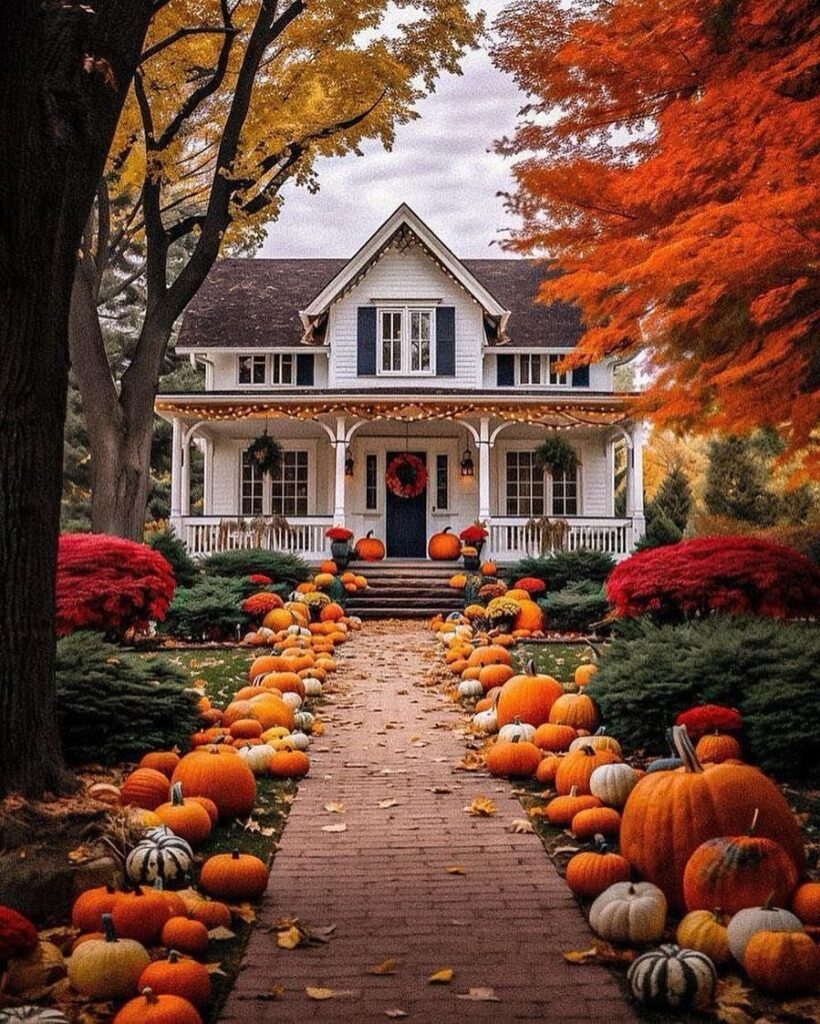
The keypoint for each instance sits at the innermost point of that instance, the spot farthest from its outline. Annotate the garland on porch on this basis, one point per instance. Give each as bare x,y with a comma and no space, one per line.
266,453
406,476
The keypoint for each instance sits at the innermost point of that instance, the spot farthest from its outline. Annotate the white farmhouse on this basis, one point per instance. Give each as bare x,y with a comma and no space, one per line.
402,349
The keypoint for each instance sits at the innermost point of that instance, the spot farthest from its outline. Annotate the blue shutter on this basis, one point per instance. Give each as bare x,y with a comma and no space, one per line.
304,369
505,370
446,341
366,342
580,377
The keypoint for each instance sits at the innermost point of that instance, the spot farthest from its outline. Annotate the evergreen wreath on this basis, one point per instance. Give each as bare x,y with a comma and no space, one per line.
406,476
266,454
556,455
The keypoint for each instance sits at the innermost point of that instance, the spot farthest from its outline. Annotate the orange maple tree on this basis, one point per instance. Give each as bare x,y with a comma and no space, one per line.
669,161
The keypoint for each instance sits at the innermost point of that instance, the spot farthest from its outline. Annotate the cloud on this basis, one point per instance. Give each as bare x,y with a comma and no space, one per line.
442,165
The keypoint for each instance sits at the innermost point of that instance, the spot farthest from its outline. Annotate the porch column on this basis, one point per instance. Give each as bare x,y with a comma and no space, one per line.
484,469
339,488
636,432
176,472
185,482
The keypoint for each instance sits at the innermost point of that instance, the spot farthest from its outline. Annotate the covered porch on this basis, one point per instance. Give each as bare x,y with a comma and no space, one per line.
476,453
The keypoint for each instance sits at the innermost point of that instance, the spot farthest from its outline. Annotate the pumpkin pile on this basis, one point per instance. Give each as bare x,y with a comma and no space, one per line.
696,859
144,946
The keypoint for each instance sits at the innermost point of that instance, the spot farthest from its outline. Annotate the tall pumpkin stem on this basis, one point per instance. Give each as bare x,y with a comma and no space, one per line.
108,928
685,750
176,795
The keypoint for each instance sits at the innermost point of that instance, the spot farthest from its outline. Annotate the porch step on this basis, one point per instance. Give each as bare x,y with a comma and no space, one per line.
405,589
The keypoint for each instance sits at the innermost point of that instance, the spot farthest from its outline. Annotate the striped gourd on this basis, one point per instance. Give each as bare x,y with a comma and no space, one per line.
160,855
31,1014
672,977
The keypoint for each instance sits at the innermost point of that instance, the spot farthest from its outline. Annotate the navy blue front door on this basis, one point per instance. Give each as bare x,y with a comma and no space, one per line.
406,520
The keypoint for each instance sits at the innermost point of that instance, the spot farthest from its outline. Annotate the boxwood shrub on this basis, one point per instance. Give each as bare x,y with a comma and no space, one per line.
563,568
280,566
211,610
769,670
575,608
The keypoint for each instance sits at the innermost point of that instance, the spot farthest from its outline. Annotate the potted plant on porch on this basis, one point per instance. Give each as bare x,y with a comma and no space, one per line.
340,549
474,535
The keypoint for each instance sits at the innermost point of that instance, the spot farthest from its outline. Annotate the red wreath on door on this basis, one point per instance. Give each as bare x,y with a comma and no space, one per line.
406,476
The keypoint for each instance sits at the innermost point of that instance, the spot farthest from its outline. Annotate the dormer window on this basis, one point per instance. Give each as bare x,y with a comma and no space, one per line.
554,376
539,370
405,343
282,368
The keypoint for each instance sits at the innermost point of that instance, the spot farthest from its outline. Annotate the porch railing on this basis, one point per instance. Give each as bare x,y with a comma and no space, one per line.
512,538
304,535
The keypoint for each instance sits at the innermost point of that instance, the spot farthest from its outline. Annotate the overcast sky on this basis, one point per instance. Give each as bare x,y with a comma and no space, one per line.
441,165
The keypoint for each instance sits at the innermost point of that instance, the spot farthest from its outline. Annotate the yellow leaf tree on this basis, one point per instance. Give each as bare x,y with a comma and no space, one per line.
232,99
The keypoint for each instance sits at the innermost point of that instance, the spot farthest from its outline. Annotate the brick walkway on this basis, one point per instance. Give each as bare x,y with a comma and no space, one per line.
383,882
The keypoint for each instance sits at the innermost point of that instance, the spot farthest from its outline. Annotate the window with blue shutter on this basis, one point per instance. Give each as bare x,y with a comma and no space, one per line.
366,342
580,377
446,341
304,369
505,370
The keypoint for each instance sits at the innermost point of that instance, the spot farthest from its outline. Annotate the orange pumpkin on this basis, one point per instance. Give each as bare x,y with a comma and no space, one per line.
151,1008
162,760
670,813
491,676
562,809
593,821
576,768
584,673
444,546
588,874
806,903
234,876
369,548
212,913
223,778
529,617
554,736
246,729
140,915
489,569
516,760
785,963
716,748
185,935
493,654
529,697
89,907
289,764
146,788
577,710
186,818
332,612
546,771
178,976
328,566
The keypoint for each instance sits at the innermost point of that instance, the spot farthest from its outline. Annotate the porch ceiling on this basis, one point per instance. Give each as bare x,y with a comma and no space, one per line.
556,410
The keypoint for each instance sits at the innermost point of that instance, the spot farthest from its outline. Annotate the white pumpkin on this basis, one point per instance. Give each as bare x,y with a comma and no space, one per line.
313,687
630,913
470,688
598,741
293,630
517,732
752,920
162,855
256,758
31,1015
673,978
299,740
303,720
486,720
612,783
293,700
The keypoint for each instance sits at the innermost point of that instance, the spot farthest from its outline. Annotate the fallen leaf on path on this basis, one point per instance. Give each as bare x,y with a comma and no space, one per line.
601,952
277,992
214,968
244,911
335,807
290,938
385,967
520,825
321,934
442,977
221,933
479,995
471,762
395,1013
341,827
566,849
384,804
328,993
481,807
455,869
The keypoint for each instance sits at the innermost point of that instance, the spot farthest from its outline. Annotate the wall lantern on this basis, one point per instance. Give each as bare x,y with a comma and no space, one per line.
350,464
467,464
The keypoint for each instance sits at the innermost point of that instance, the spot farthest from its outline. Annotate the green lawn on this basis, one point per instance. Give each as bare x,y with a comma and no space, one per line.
557,660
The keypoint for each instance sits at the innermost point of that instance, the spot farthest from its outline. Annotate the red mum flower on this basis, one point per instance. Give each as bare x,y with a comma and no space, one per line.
338,533
262,603
531,585
473,534
260,579
709,718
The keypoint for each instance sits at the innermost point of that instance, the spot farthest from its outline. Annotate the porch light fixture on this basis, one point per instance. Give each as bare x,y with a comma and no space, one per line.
350,464
467,464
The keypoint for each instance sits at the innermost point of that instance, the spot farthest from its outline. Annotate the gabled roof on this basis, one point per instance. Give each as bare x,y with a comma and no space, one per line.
403,219
267,303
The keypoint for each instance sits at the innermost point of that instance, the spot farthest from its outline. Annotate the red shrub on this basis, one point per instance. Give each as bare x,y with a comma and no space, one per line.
734,575
258,605
709,718
531,585
110,584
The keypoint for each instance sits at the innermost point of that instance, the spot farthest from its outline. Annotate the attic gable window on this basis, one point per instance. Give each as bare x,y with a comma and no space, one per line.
406,341
535,369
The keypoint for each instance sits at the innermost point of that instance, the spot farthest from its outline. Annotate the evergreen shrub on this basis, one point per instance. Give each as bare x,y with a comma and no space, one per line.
114,706
282,567
210,610
768,670
173,550
563,568
575,608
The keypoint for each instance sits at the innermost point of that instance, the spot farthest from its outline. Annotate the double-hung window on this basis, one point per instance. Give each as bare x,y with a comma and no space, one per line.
289,487
251,369
554,376
565,493
524,485
252,487
405,341
442,483
281,365
529,369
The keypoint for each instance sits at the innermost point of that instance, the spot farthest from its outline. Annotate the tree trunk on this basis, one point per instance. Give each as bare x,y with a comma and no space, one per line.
64,73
